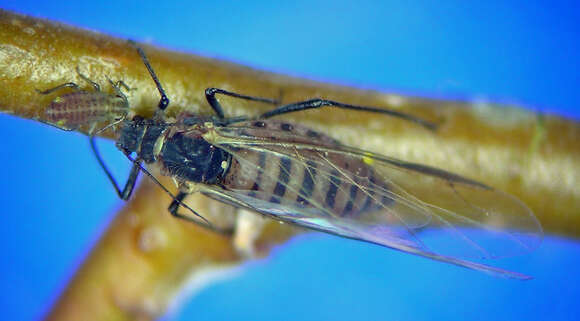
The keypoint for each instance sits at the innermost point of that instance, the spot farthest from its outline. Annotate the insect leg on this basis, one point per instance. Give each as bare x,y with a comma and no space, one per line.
59,87
85,78
164,100
174,207
71,85
216,106
120,84
127,190
318,103
117,88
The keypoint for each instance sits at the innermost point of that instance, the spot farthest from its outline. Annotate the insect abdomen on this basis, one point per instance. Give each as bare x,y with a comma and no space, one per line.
70,111
342,190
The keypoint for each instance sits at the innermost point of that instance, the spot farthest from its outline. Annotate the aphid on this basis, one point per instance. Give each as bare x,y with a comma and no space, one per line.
290,173
79,108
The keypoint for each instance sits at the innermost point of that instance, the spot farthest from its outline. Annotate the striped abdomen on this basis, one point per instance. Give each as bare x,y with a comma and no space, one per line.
70,111
342,185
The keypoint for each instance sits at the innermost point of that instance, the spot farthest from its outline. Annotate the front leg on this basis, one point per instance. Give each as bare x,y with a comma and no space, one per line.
319,103
127,190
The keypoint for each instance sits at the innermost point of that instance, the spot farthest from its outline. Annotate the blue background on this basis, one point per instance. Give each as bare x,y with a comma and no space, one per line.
57,201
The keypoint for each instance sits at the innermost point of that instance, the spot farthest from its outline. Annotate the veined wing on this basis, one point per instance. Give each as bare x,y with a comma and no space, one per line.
405,206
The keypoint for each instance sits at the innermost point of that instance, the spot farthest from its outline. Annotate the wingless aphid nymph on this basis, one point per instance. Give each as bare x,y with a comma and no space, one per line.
81,107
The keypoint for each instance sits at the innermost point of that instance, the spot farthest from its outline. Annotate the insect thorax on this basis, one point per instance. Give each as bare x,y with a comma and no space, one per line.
191,158
182,154
140,136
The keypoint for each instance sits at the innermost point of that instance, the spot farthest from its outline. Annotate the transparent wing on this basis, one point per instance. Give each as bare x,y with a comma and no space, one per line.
405,206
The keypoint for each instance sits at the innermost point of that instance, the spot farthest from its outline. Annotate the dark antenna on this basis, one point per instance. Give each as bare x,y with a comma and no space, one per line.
319,103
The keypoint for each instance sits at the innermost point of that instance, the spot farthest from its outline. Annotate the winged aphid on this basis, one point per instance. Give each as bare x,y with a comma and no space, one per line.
294,174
